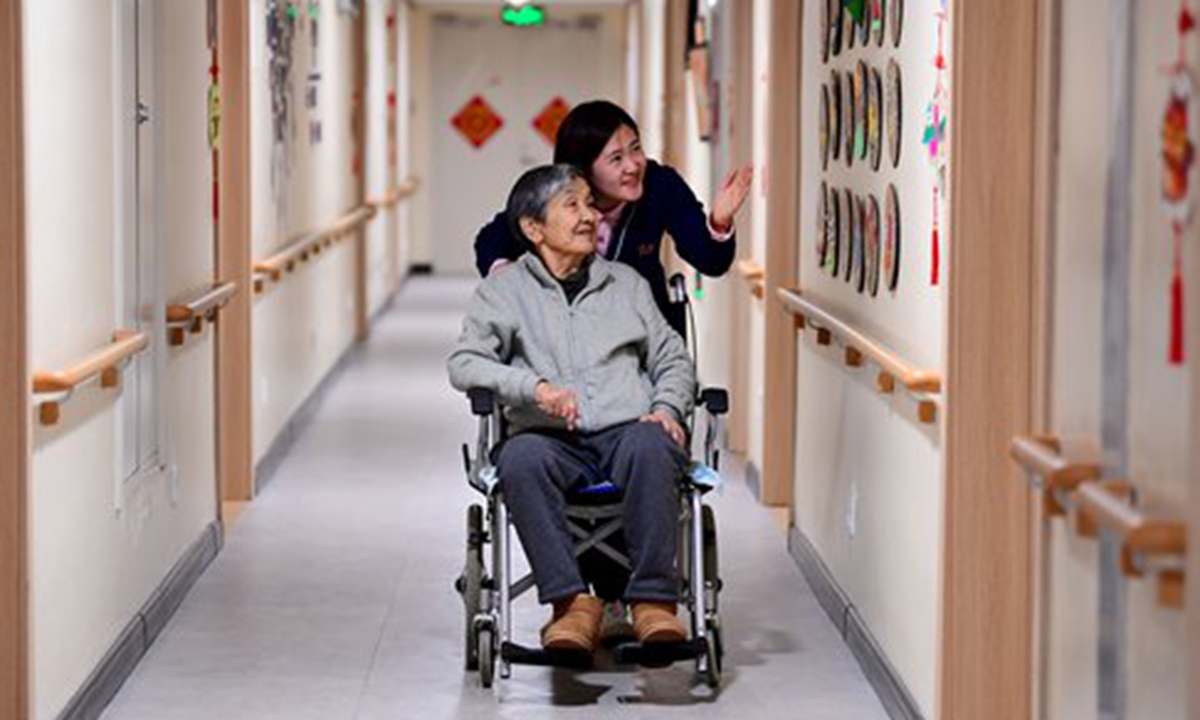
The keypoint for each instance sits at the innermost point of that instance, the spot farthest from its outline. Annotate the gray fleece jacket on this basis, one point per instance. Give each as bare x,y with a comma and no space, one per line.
611,346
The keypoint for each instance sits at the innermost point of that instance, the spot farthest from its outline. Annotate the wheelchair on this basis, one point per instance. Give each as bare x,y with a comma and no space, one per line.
488,587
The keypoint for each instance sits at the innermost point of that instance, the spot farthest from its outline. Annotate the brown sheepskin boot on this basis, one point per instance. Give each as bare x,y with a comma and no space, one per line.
575,624
655,622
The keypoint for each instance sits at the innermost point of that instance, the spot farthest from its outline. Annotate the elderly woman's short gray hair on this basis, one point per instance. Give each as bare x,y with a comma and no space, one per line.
533,191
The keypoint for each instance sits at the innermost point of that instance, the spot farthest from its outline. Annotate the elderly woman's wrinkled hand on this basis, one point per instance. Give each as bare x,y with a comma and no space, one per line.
674,429
558,402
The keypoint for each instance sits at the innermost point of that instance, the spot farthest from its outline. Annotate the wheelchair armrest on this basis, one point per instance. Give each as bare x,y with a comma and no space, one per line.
715,400
483,401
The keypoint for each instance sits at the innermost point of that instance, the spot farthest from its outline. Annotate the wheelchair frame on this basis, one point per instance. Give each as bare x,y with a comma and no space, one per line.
488,589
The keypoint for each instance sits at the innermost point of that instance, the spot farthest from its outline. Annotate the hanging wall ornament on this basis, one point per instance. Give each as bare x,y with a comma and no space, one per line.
896,20
871,245
891,240
1178,154
848,112
833,230
859,276
836,12
823,120
894,108
875,119
847,239
822,239
878,21
835,115
935,141
861,91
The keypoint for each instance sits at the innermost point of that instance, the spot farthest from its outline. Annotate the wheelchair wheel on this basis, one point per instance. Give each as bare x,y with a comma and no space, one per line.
471,584
712,575
486,656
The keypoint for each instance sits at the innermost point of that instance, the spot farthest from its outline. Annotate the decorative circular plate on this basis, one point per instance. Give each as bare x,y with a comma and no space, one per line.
871,245
875,119
891,240
879,20
859,276
823,121
896,20
833,230
847,239
836,13
835,115
894,109
848,114
861,80
822,223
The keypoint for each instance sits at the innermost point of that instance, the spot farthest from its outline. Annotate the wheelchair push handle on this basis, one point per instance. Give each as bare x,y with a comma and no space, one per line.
483,401
715,400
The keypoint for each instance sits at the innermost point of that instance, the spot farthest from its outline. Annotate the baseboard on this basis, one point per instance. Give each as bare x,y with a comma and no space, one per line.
265,469
887,683
126,652
420,269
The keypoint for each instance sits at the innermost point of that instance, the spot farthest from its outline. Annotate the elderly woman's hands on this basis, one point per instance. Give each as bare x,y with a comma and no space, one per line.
557,402
674,429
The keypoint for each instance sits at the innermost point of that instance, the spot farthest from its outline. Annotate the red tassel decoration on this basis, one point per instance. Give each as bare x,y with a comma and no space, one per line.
1176,353
936,262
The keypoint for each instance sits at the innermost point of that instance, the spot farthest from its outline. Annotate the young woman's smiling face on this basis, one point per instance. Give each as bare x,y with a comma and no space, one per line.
618,173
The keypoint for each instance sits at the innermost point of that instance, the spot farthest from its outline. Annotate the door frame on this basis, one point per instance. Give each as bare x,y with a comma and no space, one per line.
234,413
783,187
14,377
988,520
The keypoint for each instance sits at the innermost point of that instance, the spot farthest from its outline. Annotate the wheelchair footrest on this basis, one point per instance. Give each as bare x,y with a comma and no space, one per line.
659,654
521,655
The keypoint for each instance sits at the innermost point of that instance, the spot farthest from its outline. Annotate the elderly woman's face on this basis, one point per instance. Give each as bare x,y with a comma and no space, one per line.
618,173
570,226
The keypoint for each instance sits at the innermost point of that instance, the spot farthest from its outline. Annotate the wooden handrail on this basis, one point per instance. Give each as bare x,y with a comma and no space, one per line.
751,270
308,244
191,312
394,195
103,363
1042,456
810,313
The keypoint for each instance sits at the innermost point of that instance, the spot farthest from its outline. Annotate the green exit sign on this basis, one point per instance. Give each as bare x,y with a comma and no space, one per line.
523,15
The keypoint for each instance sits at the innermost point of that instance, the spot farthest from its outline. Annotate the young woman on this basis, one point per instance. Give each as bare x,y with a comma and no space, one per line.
638,199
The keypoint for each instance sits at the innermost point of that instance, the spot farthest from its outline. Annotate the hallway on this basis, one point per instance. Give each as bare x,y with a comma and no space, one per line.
332,597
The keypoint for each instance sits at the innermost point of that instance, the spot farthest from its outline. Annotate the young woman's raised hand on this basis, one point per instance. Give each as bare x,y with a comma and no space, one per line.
731,197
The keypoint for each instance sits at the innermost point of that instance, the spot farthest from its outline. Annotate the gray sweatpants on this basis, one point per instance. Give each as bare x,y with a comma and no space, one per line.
537,468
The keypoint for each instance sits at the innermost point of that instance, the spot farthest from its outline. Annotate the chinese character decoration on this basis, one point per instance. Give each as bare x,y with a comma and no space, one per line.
1178,154
477,122
935,140
550,118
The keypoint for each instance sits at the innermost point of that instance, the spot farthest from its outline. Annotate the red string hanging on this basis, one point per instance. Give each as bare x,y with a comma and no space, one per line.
935,251
1176,353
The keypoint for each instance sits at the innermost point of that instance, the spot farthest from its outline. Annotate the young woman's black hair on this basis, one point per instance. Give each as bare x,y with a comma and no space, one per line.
586,130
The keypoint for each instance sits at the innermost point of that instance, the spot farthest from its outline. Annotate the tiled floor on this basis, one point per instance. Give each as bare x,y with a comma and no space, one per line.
333,597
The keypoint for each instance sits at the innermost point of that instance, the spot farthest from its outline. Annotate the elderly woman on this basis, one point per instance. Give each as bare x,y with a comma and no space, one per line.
596,386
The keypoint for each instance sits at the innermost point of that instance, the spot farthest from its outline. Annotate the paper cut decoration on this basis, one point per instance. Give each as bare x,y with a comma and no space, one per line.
891,240
477,122
937,115
823,121
894,106
847,239
550,118
871,245
835,114
833,230
875,119
1178,154
822,225
896,20
878,20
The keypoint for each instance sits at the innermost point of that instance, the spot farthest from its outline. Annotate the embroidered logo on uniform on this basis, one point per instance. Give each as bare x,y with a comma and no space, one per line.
647,249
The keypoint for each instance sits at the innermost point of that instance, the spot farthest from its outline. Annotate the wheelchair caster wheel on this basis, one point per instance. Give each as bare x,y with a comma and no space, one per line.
714,651
486,656
470,584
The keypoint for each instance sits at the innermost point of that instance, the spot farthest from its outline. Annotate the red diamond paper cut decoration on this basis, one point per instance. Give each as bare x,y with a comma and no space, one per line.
550,118
477,121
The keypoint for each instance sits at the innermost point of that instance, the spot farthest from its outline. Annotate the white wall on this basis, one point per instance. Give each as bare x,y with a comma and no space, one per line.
1159,429
304,324
99,546
868,478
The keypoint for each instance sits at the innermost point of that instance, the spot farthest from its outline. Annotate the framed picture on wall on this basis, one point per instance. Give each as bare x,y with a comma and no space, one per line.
848,114
878,20
894,108
836,13
858,256
875,119
891,240
835,114
833,229
823,122
896,20
824,30
861,80
849,30
864,25
847,238
871,245
821,238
